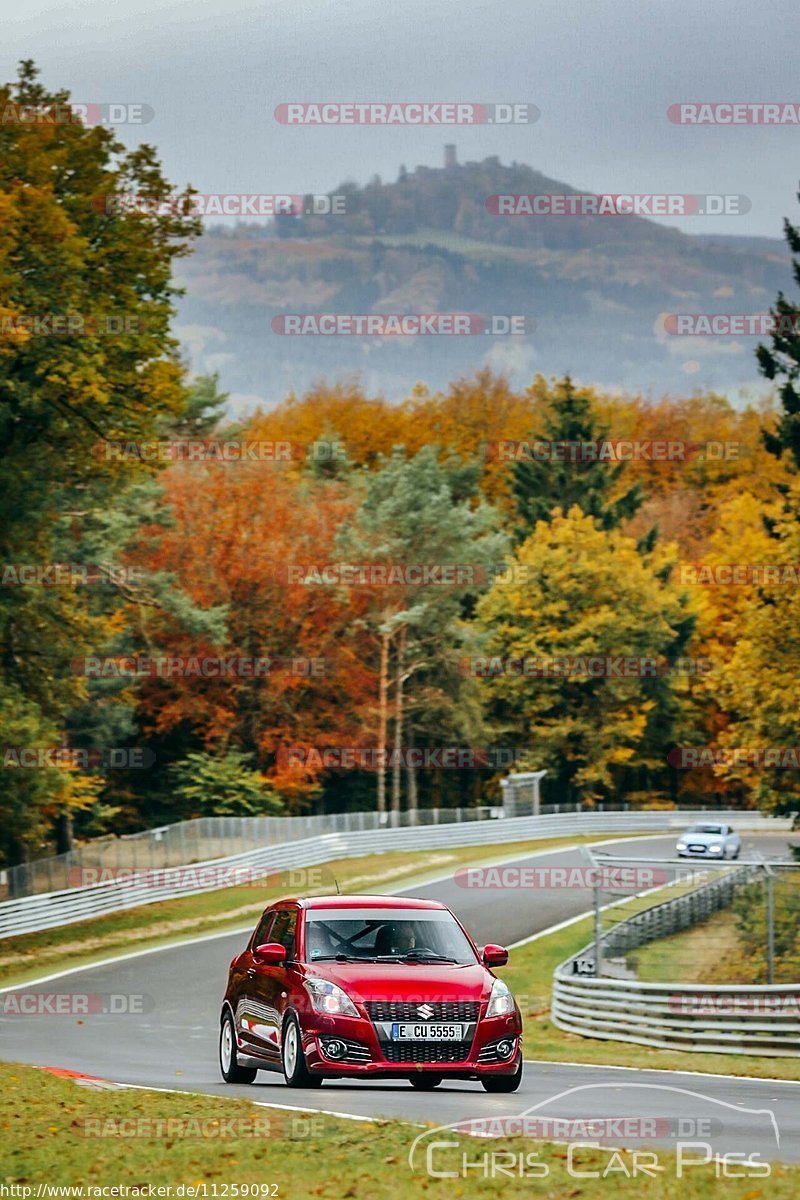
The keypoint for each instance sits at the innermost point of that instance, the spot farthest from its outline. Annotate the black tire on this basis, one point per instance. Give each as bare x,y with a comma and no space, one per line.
293,1060
228,1062
503,1083
425,1083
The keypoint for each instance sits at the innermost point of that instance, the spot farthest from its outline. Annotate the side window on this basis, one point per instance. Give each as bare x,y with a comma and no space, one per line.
284,929
262,932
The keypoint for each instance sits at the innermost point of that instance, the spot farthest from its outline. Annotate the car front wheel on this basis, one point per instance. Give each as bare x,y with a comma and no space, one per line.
228,1062
293,1060
503,1083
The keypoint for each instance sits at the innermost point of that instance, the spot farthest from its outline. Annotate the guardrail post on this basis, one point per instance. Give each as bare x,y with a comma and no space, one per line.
770,926
598,930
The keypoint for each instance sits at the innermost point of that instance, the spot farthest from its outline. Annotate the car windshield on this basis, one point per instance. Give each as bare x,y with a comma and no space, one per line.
386,935
706,829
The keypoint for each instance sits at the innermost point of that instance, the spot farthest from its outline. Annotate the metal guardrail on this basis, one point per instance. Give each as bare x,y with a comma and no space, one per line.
131,889
212,837
674,915
722,1018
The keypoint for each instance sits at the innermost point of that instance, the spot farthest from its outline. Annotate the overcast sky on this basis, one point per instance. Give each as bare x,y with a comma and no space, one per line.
602,72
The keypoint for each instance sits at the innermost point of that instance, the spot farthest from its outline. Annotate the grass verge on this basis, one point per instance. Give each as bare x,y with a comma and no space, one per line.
203,1143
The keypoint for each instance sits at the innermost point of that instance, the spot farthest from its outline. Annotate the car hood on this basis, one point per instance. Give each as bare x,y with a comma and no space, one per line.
399,982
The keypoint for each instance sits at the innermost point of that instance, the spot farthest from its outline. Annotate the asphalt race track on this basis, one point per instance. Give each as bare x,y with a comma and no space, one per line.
174,1044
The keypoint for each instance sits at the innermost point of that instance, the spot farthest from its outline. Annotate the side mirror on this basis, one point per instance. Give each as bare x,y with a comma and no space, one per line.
494,956
270,954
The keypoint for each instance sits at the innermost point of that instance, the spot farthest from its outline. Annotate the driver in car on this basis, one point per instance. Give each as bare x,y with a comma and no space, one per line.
395,938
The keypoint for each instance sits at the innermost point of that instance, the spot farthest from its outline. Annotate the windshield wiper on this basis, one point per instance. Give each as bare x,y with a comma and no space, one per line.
337,958
428,956
419,956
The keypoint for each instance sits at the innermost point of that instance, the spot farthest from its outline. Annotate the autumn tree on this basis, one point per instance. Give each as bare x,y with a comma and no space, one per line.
577,593
238,538
85,355
417,511
751,631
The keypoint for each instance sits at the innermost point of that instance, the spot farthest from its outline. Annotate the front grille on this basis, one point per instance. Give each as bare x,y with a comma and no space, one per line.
425,1052
408,1010
698,849
357,1052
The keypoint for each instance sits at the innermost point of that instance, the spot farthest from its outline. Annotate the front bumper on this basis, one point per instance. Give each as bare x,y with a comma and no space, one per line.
372,1054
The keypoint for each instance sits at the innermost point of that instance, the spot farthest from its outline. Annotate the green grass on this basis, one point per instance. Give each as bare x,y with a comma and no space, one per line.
713,952
44,1121
30,956
695,955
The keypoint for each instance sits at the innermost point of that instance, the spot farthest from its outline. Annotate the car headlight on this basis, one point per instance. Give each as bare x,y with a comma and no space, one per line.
501,1001
715,849
681,845
328,998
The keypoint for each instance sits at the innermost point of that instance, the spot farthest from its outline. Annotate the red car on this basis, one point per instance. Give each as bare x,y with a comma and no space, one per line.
368,987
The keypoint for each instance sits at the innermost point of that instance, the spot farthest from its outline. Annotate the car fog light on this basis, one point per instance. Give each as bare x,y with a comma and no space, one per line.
334,1048
505,1048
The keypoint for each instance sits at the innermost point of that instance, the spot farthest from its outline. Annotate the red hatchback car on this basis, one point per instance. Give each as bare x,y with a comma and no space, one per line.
368,987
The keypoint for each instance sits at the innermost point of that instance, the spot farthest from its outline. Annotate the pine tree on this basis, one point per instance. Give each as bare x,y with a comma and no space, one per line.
595,486
782,360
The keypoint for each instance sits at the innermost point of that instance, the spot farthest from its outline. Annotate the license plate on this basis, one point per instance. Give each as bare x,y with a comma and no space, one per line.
427,1033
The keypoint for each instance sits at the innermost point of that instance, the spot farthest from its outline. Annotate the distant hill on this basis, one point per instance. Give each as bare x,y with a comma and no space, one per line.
594,286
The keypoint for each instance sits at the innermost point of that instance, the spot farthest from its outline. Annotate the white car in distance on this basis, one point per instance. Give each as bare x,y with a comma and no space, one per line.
709,839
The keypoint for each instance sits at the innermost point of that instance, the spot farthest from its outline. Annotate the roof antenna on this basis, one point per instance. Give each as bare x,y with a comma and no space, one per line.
335,880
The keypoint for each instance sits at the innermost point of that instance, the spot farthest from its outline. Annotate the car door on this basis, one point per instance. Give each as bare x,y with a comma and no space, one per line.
270,986
252,1023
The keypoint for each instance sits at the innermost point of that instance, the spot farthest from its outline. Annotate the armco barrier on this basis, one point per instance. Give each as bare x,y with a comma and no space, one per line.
718,1018
33,913
723,1019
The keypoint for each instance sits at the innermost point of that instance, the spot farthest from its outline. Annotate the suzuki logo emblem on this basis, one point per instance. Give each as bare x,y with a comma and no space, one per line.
425,1011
